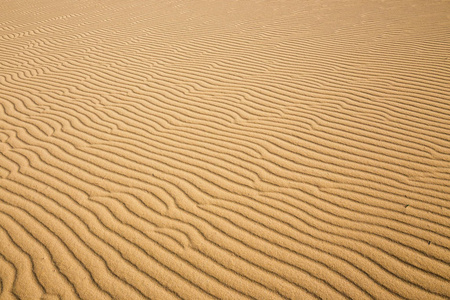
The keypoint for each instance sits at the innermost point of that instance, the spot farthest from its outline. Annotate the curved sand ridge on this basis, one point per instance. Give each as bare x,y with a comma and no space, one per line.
224,149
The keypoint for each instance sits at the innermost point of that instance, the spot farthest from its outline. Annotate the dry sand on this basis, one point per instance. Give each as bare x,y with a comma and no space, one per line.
204,149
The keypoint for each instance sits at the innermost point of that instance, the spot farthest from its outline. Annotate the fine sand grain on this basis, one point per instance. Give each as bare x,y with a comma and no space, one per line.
203,149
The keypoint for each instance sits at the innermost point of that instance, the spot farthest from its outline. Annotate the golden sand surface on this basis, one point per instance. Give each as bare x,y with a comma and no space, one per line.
246,149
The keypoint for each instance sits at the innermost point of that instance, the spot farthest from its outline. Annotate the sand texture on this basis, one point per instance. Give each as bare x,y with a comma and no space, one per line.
201,149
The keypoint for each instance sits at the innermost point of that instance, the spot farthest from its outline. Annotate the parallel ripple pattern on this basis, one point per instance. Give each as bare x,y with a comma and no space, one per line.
201,149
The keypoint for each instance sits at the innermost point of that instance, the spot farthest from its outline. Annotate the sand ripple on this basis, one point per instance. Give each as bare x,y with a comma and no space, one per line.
224,149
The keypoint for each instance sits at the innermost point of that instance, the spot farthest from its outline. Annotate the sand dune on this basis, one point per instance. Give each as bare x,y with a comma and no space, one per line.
224,149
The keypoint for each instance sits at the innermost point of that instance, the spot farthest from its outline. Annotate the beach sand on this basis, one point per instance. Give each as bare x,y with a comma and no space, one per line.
203,149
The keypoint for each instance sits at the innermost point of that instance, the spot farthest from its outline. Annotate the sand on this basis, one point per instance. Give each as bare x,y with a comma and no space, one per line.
202,149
